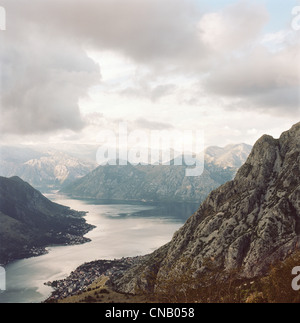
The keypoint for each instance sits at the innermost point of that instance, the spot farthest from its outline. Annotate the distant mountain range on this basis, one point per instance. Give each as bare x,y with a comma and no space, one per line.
161,183
241,228
230,156
29,221
44,170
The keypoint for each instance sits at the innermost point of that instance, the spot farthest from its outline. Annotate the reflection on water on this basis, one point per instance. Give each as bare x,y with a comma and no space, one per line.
123,229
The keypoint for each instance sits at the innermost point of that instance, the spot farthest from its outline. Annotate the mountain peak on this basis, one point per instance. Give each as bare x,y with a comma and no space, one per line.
16,179
268,155
232,155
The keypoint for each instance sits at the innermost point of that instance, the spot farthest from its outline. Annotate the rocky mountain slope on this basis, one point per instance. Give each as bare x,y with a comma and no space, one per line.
160,183
244,225
29,221
230,156
43,170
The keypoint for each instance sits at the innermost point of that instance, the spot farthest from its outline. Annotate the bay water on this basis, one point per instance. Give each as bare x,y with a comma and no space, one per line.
123,229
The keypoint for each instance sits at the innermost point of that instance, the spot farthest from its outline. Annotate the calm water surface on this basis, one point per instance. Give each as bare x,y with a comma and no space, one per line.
123,229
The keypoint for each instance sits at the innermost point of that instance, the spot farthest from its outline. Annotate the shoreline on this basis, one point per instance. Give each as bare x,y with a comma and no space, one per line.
83,276
95,256
59,239
129,201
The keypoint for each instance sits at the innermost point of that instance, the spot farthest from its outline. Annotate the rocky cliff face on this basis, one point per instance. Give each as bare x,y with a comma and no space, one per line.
246,224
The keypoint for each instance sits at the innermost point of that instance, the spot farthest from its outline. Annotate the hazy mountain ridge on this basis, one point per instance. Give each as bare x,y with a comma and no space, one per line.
244,225
159,183
45,170
29,221
229,156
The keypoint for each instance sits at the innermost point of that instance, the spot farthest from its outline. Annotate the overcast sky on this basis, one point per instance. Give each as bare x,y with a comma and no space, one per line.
71,68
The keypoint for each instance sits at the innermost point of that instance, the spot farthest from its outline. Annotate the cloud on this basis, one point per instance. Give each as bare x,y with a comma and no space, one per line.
232,27
94,118
264,81
46,68
143,123
144,30
43,76
153,93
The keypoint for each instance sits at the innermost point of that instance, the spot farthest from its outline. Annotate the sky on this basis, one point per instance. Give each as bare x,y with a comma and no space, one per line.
71,68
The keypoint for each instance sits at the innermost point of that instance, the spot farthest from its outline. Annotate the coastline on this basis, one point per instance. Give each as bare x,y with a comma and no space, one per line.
85,275
56,239
140,238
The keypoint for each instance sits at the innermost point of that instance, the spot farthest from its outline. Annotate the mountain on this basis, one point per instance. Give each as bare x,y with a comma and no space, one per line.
229,156
243,226
160,183
83,152
43,170
29,221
